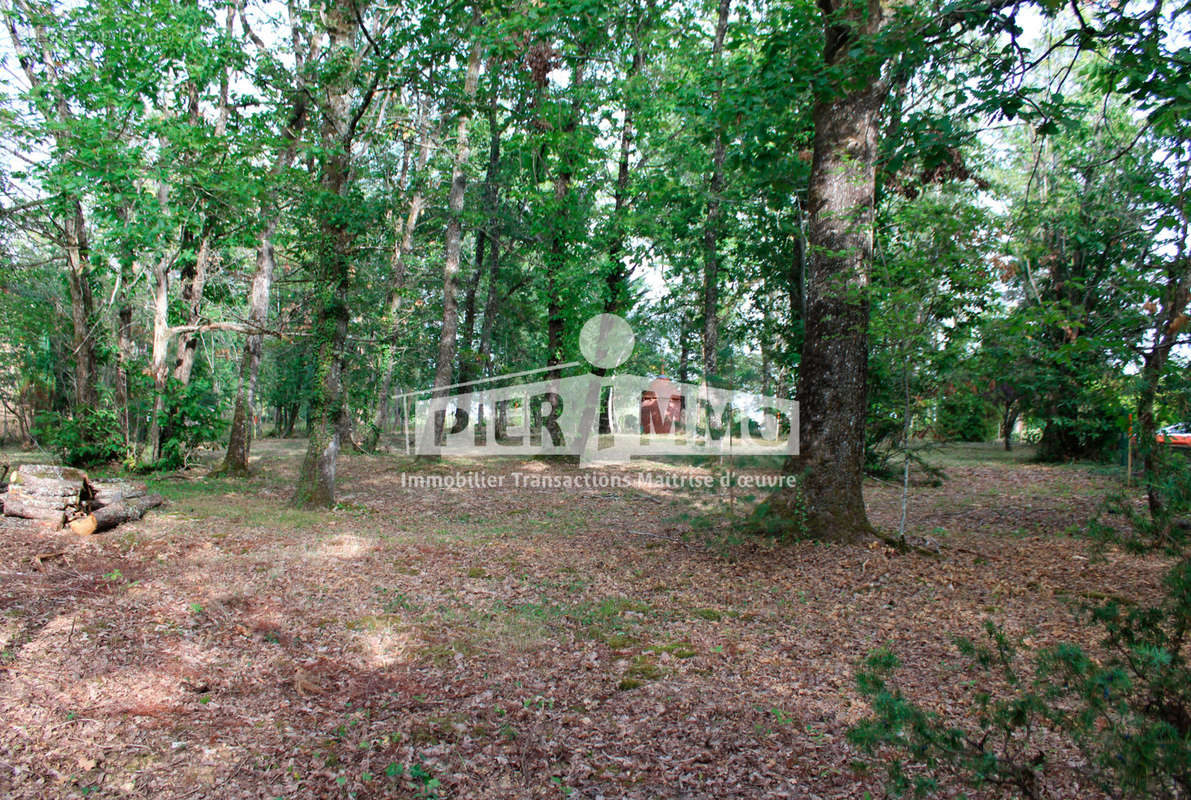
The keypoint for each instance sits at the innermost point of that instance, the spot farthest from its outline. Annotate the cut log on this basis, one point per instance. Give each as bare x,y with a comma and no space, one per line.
51,494
109,493
101,519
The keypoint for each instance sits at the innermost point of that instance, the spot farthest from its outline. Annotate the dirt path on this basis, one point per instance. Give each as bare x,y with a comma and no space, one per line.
506,643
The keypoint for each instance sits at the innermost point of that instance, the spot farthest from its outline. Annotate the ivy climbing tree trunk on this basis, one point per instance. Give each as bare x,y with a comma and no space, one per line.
328,411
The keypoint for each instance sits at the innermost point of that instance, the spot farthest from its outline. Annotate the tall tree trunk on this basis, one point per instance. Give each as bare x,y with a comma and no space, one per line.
617,297
711,226
194,278
398,264
327,411
833,384
1172,319
125,348
564,173
684,348
158,368
472,362
194,273
239,445
1153,366
74,235
454,243
1009,414
486,325
124,352
74,224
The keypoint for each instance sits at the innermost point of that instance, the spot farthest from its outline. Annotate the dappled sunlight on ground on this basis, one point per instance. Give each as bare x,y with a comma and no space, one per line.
509,643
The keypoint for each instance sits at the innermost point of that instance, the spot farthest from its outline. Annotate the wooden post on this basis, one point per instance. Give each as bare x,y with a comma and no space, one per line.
1129,454
405,424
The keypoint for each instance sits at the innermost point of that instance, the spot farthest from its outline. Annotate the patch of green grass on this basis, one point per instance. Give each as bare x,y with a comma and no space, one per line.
446,643
678,649
244,508
394,601
643,669
709,614
375,622
620,641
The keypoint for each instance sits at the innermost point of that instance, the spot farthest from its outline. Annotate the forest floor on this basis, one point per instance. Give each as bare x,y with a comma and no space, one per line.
511,642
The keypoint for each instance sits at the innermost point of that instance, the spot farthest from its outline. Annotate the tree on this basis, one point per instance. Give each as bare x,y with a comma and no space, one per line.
239,445
341,111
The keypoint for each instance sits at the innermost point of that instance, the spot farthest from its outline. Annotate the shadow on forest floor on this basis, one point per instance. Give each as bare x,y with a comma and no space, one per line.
507,643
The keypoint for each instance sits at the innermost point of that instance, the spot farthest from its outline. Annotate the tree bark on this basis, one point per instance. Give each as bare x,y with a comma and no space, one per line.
555,322
833,390
454,240
328,412
684,348
618,299
102,519
125,347
74,239
73,225
239,446
194,278
398,264
1172,319
711,226
471,363
194,273
492,241
161,342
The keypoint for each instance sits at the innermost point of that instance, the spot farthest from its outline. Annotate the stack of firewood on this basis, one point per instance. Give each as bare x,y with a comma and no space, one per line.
61,496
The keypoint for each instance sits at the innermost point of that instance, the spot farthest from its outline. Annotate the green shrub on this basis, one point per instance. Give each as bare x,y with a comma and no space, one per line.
966,416
1086,425
92,436
1162,526
190,419
1129,714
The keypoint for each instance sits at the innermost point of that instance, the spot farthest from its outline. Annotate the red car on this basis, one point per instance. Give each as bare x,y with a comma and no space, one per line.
1175,435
